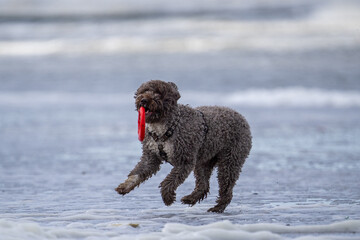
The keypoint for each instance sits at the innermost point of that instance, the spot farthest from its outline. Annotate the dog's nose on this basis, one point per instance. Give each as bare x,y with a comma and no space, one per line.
144,101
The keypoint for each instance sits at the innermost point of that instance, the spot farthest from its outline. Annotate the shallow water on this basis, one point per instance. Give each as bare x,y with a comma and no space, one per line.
59,169
68,125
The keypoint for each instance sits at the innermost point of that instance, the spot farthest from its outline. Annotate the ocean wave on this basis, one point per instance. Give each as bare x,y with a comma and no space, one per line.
286,97
114,13
184,44
277,97
165,29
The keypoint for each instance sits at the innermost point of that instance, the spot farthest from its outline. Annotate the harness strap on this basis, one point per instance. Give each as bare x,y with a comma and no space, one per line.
170,132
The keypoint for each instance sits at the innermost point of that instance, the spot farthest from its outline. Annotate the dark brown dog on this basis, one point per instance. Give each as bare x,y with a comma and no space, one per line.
189,139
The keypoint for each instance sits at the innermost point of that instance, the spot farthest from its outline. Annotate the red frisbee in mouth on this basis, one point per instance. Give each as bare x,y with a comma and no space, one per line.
141,124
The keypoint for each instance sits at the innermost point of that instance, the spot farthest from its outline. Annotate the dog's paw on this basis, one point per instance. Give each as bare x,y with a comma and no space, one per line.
217,209
194,197
188,200
168,198
123,189
128,185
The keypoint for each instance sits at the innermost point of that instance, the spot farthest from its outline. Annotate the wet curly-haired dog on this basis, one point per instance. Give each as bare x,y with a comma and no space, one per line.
189,139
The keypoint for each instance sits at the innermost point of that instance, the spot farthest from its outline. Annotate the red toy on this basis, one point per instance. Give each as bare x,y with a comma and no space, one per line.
141,124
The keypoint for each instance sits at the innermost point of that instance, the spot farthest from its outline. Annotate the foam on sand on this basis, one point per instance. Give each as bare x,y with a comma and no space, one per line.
227,230
349,229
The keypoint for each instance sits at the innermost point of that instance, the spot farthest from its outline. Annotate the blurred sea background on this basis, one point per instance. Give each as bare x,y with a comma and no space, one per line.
68,129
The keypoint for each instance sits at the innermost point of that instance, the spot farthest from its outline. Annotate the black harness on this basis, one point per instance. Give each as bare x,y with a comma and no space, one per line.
168,134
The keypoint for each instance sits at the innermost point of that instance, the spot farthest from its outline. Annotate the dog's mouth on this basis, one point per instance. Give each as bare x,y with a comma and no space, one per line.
148,113
151,106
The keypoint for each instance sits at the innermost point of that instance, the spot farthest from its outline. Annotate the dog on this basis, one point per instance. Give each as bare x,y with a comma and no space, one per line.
190,139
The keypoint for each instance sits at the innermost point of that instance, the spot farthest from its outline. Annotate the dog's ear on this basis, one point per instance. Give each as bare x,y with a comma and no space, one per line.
137,93
176,93
173,84
143,88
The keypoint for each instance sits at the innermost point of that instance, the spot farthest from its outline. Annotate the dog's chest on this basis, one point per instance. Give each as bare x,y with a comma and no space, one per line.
164,150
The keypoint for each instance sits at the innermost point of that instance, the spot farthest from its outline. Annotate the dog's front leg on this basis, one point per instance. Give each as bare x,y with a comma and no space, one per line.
148,165
176,177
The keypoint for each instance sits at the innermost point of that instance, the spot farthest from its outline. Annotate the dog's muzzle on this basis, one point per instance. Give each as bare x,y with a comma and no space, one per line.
145,103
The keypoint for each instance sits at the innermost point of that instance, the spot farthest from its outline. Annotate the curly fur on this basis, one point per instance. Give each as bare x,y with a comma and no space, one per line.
204,138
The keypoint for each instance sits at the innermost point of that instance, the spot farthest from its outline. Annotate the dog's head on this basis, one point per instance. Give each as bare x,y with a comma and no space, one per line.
159,98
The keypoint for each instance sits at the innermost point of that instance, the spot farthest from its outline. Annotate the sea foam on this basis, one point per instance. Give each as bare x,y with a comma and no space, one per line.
219,230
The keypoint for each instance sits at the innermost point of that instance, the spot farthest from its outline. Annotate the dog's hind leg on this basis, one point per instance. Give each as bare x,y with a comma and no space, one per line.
229,168
202,174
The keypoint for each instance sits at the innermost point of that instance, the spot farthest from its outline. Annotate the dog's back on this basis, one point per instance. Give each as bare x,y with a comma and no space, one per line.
226,129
